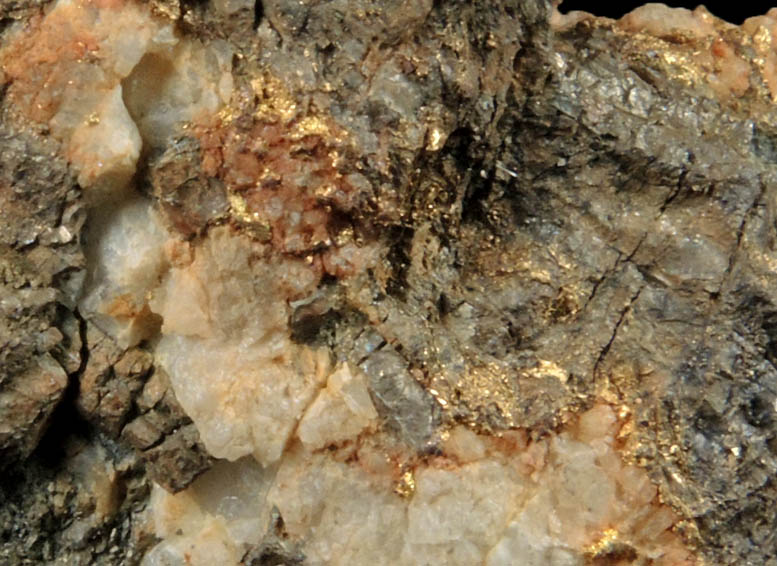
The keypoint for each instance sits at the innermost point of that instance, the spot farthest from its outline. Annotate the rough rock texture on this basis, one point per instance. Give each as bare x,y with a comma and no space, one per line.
122,395
41,265
420,282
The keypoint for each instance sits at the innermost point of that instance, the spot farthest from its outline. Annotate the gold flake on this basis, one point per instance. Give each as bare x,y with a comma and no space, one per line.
605,544
436,394
625,431
436,139
238,204
258,229
325,191
547,368
336,159
405,487
483,386
226,115
310,126
169,10
275,101
240,208
763,39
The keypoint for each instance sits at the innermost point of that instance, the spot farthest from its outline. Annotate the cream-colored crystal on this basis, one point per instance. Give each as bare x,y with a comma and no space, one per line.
544,503
341,411
105,142
88,58
661,20
227,348
188,83
245,396
126,257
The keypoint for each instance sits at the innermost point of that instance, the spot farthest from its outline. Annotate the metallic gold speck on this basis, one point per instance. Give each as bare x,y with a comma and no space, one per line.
436,139
275,101
605,544
546,368
309,126
406,485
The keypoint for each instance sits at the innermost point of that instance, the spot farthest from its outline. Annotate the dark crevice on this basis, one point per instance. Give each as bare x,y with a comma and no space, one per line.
399,257
620,260
740,234
82,331
461,148
633,252
605,350
674,193
599,281
258,13
65,420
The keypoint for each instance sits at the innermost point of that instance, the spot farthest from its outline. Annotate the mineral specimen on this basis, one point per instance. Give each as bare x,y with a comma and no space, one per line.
386,282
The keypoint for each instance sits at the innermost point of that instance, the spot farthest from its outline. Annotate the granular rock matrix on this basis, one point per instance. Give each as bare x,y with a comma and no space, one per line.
386,282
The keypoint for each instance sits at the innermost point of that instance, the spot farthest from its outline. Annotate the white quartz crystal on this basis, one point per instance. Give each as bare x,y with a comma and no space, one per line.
659,19
245,396
457,515
340,412
78,68
346,515
210,523
553,502
125,252
210,545
189,83
104,141
227,348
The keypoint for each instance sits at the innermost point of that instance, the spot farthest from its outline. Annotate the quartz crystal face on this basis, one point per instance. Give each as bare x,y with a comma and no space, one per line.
386,283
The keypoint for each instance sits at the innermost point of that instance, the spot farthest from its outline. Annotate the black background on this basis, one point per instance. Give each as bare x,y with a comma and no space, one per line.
734,12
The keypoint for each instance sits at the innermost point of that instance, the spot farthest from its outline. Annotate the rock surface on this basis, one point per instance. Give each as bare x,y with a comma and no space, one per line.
481,500
386,282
